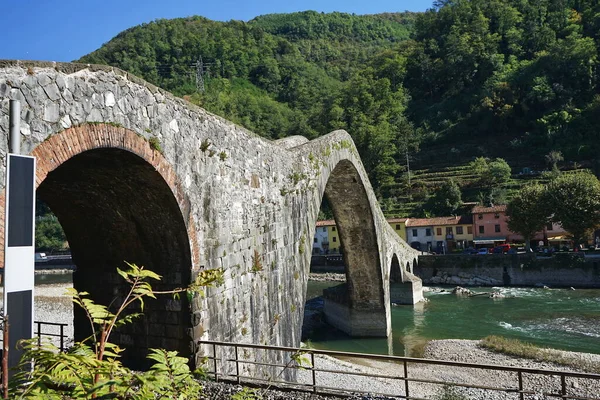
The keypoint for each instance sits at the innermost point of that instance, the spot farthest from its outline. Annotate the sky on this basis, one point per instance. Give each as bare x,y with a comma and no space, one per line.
65,30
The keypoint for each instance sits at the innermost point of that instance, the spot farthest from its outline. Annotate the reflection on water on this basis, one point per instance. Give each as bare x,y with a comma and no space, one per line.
557,318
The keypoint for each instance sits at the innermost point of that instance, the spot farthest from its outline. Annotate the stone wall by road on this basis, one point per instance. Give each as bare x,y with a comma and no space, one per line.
560,270
136,174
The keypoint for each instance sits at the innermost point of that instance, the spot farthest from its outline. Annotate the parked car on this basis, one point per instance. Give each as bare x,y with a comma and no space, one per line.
501,248
469,250
483,251
40,257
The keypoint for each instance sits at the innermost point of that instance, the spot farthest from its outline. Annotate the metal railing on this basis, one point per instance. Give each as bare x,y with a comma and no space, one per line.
40,331
224,363
60,335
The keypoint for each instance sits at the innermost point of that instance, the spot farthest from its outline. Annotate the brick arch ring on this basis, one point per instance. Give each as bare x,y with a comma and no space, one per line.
62,146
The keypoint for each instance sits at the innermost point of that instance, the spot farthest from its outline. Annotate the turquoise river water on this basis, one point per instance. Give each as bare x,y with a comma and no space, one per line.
557,318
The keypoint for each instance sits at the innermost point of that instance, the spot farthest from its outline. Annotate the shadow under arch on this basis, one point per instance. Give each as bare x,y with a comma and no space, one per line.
363,294
395,270
114,206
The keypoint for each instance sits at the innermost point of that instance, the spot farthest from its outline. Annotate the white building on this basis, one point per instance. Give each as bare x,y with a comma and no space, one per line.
419,233
321,239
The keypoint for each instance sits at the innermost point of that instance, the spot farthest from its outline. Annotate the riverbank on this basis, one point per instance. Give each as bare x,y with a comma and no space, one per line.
54,306
468,351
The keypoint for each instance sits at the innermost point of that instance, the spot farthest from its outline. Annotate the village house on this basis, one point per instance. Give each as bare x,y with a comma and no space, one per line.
399,225
489,226
419,233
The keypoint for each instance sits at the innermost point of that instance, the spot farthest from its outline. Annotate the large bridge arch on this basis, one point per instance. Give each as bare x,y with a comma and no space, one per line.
118,200
351,207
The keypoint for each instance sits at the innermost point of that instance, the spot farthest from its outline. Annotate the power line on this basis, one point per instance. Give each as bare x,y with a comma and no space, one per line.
202,70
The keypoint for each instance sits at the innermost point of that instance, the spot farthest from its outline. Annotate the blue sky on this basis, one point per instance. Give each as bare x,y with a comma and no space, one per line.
64,30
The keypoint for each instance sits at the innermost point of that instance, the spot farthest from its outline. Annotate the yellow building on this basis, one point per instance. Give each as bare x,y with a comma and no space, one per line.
399,225
334,238
451,233
326,238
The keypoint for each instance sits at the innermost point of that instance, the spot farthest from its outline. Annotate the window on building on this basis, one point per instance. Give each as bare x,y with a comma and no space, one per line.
481,229
549,227
459,230
427,232
496,228
449,230
438,231
414,232
333,228
470,230
324,229
334,239
480,216
496,215
397,227
316,241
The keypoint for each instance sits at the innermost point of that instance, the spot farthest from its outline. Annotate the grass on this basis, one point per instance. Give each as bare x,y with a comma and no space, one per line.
517,348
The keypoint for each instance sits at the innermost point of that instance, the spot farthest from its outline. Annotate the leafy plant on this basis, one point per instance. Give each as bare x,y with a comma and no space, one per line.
256,262
91,368
247,394
155,144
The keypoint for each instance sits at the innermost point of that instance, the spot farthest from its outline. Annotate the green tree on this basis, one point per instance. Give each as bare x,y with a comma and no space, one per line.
498,172
49,235
552,159
446,200
491,172
575,202
528,212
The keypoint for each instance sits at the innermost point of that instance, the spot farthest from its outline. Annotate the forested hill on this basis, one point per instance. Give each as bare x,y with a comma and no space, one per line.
497,78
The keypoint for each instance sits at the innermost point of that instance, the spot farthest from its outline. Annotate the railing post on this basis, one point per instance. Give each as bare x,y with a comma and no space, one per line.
563,386
215,362
237,365
39,333
406,380
62,337
520,376
314,373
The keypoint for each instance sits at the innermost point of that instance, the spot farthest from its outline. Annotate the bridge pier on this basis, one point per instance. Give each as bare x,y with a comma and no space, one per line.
408,292
358,321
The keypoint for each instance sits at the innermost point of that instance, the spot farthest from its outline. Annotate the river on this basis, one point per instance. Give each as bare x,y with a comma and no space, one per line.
557,318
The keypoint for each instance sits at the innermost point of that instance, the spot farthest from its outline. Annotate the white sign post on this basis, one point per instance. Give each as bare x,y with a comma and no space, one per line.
19,241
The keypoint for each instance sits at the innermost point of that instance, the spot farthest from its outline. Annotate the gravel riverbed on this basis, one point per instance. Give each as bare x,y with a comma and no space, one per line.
52,305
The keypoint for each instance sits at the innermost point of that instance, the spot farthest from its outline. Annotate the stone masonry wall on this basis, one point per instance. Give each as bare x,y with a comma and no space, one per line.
561,270
249,205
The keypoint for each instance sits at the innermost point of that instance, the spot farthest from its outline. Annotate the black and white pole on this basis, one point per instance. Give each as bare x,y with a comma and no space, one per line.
19,239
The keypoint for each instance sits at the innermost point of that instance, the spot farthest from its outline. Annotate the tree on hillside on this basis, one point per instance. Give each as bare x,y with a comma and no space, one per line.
527,212
575,201
552,159
446,200
491,172
498,172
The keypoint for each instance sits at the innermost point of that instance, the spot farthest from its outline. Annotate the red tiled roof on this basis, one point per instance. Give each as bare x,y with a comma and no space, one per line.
493,209
396,220
329,222
413,222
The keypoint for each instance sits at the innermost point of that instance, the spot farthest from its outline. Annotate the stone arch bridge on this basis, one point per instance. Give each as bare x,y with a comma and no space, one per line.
134,173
